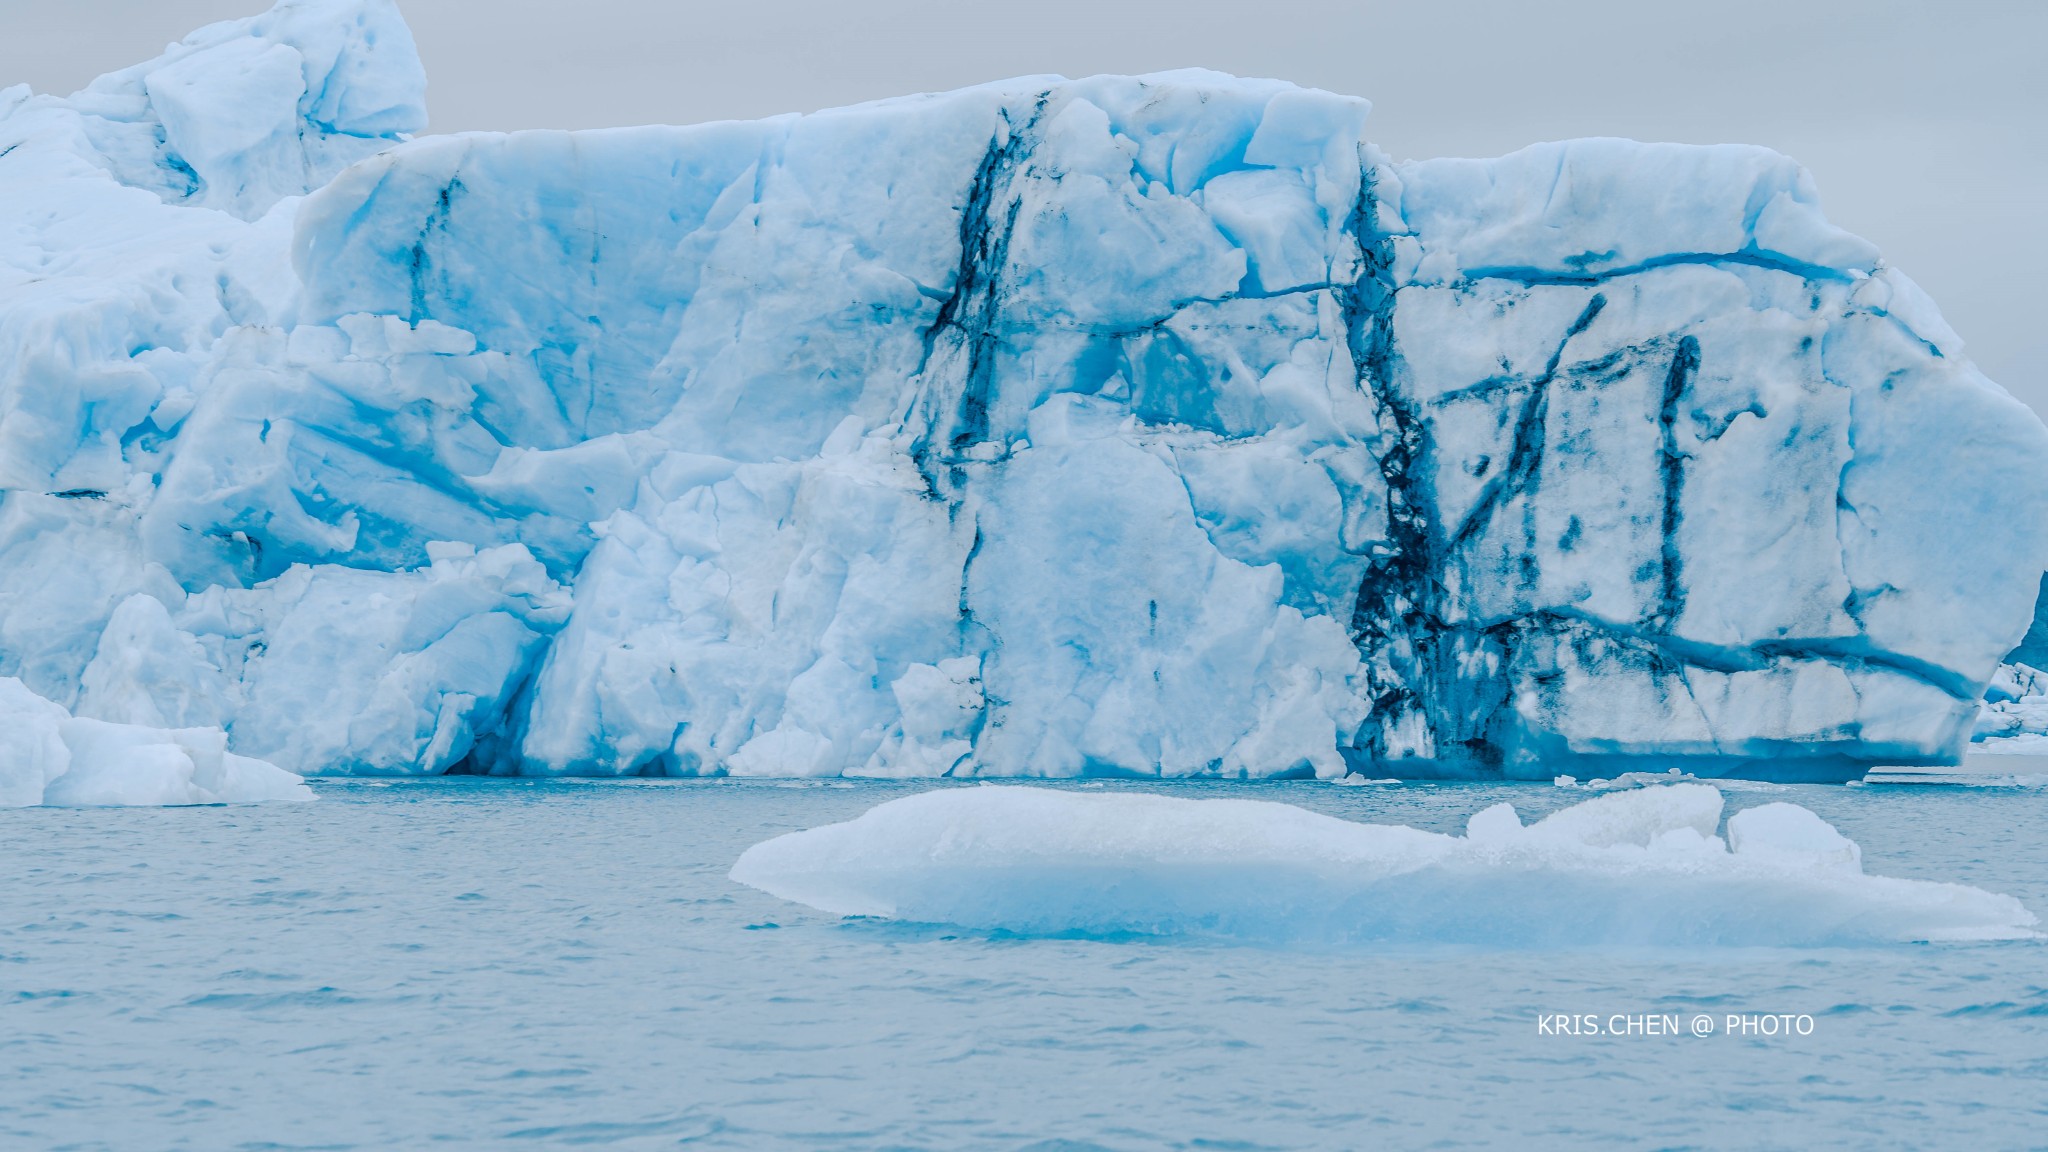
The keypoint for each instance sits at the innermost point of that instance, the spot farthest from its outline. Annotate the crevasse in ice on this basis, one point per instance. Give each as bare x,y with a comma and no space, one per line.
1121,425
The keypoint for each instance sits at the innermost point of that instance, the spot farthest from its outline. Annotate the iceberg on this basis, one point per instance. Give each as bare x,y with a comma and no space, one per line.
1155,426
50,757
1636,868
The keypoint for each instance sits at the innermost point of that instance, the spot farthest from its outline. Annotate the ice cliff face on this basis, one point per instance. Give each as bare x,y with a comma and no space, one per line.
1144,425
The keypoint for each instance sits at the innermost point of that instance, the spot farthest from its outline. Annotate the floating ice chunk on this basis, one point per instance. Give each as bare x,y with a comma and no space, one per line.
1629,780
1790,832
1631,868
1499,823
128,764
48,756
1636,818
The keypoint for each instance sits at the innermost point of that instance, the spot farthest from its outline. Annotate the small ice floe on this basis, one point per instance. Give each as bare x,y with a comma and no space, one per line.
1638,867
1972,774
1359,780
1668,776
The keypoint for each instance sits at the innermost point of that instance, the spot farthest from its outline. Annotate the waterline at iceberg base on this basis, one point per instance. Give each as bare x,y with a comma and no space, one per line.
1145,426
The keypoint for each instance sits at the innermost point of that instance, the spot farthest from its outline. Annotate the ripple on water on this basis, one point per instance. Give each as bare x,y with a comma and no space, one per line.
490,964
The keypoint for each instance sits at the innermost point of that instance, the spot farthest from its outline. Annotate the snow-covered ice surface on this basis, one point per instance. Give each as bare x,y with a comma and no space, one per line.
1644,866
1154,426
560,964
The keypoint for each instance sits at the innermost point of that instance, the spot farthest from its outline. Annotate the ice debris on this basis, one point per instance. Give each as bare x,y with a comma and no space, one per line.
2013,719
1128,425
1668,776
1640,867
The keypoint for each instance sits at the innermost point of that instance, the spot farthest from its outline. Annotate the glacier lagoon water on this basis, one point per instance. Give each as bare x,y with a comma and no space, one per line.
534,964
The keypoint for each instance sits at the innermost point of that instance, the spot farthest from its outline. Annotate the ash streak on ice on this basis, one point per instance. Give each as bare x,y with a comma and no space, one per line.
1643,867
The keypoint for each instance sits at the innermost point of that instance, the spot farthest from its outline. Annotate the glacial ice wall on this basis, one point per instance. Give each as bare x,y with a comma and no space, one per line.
1122,425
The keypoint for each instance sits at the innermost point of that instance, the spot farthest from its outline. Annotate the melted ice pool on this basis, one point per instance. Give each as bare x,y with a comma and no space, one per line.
506,965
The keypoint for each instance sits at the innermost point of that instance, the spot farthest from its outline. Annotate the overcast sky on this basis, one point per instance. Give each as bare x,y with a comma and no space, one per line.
1924,121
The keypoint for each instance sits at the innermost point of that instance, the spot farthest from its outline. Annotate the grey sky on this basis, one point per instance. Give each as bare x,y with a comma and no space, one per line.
1926,124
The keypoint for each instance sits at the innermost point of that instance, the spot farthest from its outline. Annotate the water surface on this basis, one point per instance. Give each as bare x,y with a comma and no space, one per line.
516,964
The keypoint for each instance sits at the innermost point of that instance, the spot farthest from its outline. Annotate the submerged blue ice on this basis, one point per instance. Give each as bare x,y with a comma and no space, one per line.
1149,425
